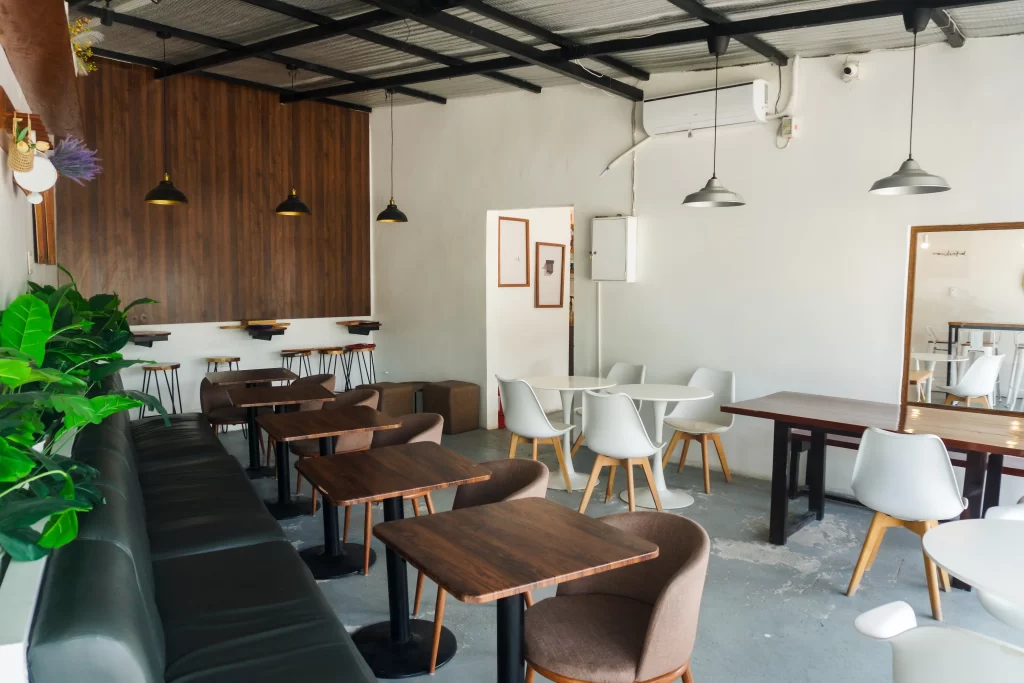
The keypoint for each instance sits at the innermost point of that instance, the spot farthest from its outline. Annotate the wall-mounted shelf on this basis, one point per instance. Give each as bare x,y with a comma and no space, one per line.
263,330
147,337
360,326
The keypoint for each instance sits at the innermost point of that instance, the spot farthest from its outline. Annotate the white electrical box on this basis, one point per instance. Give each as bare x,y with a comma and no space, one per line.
613,249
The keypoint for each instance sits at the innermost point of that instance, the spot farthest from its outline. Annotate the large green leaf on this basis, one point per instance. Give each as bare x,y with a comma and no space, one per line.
104,302
60,530
22,545
24,513
73,404
112,403
151,402
99,371
13,372
26,326
138,302
15,464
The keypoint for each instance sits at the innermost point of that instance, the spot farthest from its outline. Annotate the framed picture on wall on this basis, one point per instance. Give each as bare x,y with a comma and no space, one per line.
550,263
513,252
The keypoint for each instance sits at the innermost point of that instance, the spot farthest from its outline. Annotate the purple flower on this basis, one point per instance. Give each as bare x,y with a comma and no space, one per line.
74,160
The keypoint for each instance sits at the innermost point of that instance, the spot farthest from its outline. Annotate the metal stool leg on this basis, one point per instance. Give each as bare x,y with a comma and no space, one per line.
373,369
145,390
309,365
346,367
177,383
159,396
170,389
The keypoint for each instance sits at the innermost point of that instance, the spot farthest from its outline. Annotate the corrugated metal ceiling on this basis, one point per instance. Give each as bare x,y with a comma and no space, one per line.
584,22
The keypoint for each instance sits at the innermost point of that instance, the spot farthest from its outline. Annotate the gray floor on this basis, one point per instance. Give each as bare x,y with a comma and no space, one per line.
769,613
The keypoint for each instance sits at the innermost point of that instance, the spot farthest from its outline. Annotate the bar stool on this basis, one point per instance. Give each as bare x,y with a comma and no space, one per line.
362,354
216,361
329,356
171,381
288,356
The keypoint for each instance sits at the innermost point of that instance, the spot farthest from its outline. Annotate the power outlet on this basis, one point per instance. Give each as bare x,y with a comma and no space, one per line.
789,128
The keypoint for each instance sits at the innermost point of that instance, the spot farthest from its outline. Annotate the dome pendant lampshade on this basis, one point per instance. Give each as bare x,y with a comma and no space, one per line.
165,193
911,178
391,213
292,206
715,195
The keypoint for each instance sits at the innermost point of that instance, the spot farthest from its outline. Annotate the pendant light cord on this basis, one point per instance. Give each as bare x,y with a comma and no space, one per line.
714,153
292,71
163,86
913,85
391,96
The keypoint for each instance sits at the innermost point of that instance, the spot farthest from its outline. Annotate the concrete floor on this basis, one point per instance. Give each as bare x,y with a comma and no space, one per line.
768,612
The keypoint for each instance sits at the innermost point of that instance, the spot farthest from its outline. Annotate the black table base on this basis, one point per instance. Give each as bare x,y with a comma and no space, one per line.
348,561
295,507
255,470
400,648
511,665
259,472
286,507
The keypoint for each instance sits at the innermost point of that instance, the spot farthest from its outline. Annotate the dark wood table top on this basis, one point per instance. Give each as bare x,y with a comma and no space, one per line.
260,376
258,397
489,552
812,410
380,473
968,430
987,326
316,424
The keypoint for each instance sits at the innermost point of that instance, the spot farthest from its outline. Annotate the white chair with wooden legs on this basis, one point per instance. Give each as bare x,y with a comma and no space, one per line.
703,421
977,384
615,432
621,373
908,480
526,421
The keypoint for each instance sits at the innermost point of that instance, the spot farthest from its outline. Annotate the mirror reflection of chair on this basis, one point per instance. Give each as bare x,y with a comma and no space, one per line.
908,480
978,384
525,420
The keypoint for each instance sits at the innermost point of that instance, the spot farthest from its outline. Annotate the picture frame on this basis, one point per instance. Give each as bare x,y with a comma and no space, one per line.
513,252
550,264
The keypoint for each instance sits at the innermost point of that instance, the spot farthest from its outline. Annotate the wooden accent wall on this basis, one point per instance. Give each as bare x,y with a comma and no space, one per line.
226,255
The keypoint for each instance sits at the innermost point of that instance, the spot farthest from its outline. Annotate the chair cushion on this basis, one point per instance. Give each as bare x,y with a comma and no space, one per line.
595,638
252,614
694,426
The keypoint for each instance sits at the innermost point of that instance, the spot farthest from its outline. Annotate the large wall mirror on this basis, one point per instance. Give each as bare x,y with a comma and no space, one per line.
965,317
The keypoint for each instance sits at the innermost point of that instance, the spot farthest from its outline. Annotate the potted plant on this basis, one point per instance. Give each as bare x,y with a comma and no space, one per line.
56,347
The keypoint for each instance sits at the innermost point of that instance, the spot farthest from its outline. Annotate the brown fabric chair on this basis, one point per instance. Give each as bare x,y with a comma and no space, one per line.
216,407
635,624
327,381
415,427
510,480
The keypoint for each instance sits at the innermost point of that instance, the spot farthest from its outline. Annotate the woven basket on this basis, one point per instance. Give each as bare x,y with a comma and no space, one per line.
16,159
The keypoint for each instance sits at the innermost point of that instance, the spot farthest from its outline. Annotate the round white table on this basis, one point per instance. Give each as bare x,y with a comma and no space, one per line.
986,553
567,386
929,360
660,395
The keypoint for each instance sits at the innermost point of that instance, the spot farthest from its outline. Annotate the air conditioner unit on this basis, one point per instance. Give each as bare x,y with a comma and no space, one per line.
740,103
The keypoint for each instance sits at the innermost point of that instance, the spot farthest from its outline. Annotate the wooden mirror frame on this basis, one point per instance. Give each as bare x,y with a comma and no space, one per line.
909,312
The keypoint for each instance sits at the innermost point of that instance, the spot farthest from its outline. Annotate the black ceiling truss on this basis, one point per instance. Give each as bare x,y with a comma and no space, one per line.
428,15
146,25
385,41
156,64
861,11
709,16
483,9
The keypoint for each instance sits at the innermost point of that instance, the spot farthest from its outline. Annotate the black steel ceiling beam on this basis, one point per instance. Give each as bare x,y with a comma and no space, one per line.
210,41
954,36
289,40
467,30
311,17
709,16
483,9
155,64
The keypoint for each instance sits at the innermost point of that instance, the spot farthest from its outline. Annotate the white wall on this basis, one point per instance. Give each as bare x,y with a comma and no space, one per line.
803,289
16,215
523,340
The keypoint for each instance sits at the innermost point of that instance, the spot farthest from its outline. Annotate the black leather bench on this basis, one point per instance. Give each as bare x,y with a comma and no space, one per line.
182,575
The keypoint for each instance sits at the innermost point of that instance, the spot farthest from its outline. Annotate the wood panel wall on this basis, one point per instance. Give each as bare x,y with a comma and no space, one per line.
226,255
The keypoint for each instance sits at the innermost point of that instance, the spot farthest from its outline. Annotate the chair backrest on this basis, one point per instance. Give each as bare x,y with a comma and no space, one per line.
721,383
980,378
627,373
355,397
672,584
906,476
212,396
510,480
524,414
612,426
326,381
415,427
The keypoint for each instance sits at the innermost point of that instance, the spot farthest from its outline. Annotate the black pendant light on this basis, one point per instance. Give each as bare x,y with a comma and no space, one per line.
391,213
911,178
292,205
714,194
165,193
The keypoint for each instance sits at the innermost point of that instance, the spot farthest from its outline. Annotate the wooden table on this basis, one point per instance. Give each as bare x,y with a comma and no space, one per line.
985,437
281,399
500,551
333,559
400,647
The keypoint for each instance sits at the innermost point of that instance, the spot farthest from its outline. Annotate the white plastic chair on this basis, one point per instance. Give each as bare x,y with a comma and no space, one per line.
908,480
615,432
1001,609
937,654
525,419
979,382
703,420
621,373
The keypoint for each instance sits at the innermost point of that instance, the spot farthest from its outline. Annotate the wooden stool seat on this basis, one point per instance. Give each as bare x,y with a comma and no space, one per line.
213,363
223,359
289,355
161,367
329,356
363,354
297,352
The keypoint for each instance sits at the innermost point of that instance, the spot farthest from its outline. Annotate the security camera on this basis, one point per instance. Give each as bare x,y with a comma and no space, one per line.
850,72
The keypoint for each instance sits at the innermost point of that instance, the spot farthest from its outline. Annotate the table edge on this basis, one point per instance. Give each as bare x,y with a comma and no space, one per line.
418,491
361,430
